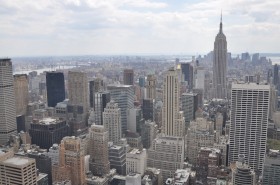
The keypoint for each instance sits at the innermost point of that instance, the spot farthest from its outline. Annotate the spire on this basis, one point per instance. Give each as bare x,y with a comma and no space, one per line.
221,22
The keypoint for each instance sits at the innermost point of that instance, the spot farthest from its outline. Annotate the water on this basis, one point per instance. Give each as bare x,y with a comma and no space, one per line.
39,71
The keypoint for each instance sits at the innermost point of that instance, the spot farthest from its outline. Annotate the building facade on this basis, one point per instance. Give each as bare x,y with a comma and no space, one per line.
21,93
55,88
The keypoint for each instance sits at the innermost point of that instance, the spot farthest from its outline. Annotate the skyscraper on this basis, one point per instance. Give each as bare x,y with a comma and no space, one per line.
7,101
55,88
249,122
123,96
187,70
128,77
101,100
112,121
99,154
172,119
151,87
220,65
78,89
95,85
21,93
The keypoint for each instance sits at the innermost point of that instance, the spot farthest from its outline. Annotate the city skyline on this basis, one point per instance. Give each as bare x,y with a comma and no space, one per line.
84,27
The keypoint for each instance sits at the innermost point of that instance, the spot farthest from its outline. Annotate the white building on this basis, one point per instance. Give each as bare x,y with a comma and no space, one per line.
133,179
112,121
136,161
249,122
53,153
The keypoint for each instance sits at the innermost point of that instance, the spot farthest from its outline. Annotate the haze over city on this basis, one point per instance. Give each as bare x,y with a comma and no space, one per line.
90,27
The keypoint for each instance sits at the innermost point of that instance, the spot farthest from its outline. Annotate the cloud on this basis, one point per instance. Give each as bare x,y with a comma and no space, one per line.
135,26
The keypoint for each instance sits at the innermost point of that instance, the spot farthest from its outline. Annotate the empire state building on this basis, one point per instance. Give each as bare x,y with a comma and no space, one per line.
220,65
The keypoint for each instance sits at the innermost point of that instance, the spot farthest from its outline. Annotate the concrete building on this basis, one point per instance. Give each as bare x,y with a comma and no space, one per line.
182,177
249,122
166,154
21,93
112,121
148,109
271,171
187,71
55,88
128,77
220,65
152,176
18,170
135,120
151,87
133,179
242,174
78,89
101,100
189,107
123,96
48,131
149,133
173,121
53,153
99,161
96,85
71,165
117,158
136,161
7,101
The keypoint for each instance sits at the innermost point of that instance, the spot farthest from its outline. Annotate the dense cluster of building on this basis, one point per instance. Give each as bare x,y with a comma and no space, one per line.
185,123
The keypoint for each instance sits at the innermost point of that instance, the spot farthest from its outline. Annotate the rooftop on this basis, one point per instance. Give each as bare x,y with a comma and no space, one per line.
18,161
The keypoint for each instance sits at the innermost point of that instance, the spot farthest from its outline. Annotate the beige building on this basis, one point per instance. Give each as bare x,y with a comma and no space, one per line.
21,93
18,170
128,77
136,161
151,87
99,160
173,121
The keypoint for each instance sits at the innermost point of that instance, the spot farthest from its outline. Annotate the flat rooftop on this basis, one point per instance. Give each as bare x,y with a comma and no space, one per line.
18,161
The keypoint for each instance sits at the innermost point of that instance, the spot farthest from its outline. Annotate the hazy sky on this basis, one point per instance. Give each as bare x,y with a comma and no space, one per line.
74,27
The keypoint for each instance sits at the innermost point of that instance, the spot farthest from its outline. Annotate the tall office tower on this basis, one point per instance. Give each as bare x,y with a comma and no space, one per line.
142,81
117,158
71,162
18,170
148,133
148,109
55,88
220,65
112,121
99,155
78,89
249,122
21,93
255,58
135,120
136,161
188,107
276,76
95,85
187,70
151,87
173,121
101,100
242,174
166,154
45,132
271,171
123,96
7,101
128,77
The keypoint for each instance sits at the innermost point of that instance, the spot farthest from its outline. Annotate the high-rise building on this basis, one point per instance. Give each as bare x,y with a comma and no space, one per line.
112,121
173,121
55,88
135,120
78,89
117,158
271,171
276,76
187,71
148,133
7,101
151,87
189,107
21,93
142,81
220,65
45,132
99,155
242,173
148,109
249,122
123,96
95,85
136,161
128,77
166,154
18,170
101,100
